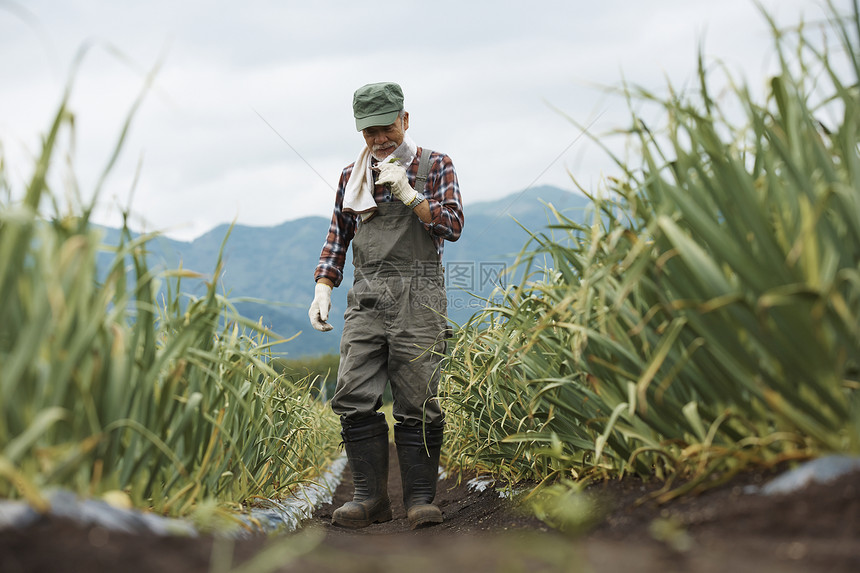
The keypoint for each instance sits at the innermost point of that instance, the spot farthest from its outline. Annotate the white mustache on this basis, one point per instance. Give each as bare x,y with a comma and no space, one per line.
382,146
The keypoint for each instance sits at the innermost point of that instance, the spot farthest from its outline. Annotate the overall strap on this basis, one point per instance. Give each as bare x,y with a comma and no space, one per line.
423,169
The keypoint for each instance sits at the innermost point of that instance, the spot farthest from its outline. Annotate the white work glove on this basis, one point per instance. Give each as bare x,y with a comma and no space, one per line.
318,312
394,175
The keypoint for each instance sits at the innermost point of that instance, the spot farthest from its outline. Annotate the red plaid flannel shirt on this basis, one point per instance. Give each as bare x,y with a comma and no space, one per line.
443,197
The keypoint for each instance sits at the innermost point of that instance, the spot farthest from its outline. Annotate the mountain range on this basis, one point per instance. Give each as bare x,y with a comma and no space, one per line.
269,270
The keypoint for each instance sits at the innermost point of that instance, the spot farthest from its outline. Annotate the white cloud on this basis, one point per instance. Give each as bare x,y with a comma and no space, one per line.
481,80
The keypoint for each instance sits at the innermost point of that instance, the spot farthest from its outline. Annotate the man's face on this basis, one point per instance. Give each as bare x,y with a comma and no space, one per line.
382,140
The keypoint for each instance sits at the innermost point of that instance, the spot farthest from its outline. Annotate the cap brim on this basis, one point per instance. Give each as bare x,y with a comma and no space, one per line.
376,120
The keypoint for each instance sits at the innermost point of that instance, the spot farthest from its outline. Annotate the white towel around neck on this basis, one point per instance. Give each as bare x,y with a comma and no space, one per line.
358,195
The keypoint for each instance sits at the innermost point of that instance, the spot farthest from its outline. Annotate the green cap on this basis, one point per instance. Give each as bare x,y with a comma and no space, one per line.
377,104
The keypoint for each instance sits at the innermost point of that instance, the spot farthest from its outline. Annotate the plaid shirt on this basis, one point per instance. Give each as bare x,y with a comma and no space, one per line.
443,197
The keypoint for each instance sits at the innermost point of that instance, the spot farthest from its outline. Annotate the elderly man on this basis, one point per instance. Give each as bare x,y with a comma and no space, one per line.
396,204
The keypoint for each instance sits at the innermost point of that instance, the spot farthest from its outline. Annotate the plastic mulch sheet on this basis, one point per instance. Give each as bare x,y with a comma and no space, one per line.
278,515
820,470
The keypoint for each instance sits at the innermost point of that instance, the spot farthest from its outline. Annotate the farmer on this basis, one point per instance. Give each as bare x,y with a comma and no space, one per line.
396,204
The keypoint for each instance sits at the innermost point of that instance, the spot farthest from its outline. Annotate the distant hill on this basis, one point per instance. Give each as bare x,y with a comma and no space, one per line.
276,264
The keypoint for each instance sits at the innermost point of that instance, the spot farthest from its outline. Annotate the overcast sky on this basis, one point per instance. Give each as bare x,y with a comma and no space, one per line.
489,83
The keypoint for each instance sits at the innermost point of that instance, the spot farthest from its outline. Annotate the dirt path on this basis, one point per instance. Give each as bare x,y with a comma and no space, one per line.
817,529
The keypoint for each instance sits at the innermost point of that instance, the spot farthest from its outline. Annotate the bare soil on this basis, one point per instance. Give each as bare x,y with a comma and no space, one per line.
723,529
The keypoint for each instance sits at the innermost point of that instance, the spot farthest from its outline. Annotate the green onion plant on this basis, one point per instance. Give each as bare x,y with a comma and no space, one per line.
707,317
107,385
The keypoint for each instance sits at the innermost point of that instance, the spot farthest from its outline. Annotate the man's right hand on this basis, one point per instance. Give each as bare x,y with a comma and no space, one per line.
318,312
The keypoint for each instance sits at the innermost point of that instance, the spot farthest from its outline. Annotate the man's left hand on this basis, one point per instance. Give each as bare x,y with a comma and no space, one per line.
394,175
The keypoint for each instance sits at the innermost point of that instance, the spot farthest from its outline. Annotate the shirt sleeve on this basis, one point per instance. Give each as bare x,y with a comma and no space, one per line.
443,198
340,234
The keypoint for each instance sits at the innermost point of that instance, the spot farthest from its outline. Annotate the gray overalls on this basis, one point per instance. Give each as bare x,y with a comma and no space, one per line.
395,322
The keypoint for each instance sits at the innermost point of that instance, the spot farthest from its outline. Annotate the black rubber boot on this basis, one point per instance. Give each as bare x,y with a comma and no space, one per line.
366,444
418,455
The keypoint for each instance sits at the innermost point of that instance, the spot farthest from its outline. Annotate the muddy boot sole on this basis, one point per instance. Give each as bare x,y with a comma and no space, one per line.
424,515
342,518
